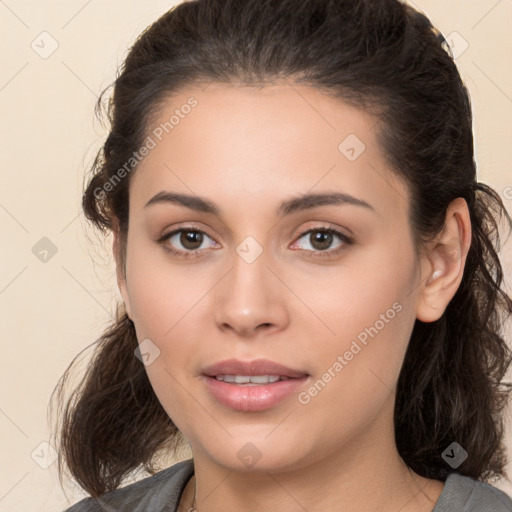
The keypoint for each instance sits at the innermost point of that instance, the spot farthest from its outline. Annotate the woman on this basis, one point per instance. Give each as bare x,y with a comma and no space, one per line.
312,296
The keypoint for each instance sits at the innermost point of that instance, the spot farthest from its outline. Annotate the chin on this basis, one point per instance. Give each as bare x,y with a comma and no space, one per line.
246,452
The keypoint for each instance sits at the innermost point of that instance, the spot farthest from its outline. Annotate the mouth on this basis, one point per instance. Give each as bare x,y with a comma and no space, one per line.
251,380
252,386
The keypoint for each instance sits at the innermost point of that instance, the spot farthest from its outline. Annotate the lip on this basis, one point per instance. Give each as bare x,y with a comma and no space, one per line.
256,367
252,398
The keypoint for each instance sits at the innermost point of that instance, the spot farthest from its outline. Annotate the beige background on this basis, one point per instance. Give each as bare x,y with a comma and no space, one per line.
50,311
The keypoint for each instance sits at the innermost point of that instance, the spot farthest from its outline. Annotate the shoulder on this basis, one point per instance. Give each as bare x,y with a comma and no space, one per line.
156,493
464,494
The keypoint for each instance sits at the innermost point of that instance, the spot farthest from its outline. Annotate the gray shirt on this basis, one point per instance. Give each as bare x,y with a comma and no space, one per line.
162,491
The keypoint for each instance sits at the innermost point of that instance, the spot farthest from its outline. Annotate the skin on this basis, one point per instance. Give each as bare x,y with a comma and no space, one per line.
248,149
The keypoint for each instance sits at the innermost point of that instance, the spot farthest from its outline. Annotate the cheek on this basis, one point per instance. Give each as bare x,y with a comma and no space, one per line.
357,374
181,401
367,296
170,305
161,295
367,316
166,307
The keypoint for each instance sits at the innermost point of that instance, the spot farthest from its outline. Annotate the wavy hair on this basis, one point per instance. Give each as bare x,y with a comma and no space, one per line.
379,55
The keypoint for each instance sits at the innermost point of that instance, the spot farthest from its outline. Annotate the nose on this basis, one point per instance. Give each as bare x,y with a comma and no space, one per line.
250,299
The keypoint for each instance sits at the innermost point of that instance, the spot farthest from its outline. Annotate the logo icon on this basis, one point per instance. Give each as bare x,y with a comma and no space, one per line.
44,455
351,147
249,249
44,250
455,455
147,352
249,455
457,44
44,45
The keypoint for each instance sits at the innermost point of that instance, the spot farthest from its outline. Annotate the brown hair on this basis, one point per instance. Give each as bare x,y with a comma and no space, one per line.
376,54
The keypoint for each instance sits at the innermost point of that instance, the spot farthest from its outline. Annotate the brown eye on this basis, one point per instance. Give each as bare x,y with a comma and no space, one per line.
191,240
320,240
321,243
186,242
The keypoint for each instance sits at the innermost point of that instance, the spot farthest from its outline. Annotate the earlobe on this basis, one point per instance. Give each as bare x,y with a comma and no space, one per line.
444,261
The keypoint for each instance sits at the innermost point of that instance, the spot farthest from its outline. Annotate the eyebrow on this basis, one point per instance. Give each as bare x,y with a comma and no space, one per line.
293,205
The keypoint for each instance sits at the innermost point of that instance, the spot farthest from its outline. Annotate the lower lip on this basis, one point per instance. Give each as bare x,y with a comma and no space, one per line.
252,398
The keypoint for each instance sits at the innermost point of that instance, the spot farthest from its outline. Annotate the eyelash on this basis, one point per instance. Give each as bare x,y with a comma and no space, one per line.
347,241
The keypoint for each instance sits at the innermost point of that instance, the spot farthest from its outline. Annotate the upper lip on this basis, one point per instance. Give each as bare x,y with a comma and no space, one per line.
256,367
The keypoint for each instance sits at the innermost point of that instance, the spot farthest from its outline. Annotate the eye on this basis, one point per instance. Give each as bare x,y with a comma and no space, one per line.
191,241
320,241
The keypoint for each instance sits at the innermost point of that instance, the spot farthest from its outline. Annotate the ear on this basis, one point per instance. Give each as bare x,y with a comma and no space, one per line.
120,267
443,263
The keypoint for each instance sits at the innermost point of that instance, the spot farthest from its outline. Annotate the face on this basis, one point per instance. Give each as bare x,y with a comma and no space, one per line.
326,288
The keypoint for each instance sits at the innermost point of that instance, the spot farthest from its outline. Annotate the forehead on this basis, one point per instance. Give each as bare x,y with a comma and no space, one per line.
225,141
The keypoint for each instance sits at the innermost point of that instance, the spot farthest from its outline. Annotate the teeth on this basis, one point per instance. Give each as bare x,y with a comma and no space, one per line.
250,379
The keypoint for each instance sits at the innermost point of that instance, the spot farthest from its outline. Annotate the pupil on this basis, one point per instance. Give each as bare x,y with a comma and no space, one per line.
188,238
322,240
